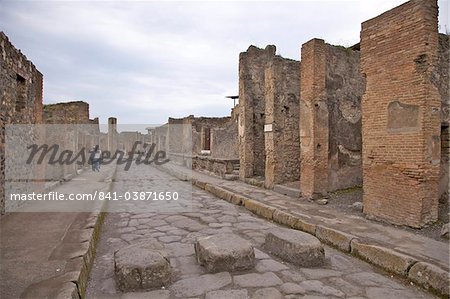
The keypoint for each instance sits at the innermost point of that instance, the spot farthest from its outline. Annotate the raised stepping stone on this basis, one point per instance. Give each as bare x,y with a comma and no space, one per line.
296,247
225,252
142,266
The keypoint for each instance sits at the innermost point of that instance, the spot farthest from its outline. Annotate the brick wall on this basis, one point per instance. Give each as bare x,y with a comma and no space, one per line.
282,92
21,101
401,115
441,79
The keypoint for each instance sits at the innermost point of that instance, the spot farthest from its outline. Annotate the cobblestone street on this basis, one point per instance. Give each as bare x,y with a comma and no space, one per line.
342,276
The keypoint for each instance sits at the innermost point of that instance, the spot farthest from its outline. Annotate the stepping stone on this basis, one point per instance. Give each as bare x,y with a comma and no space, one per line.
225,252
142,266
296,247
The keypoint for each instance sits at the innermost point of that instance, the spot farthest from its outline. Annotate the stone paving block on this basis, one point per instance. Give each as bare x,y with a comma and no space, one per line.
196,286
68,290
259,208
334,237
142,266
157,294
228,294
270,265
225,252
267,293
296,247
385,258
292,288
430,276
255,280
316,286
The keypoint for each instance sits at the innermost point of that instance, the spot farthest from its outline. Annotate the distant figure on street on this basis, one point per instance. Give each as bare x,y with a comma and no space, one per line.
96,157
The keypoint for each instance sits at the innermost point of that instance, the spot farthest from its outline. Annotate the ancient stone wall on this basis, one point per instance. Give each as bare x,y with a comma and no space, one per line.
344,86
212,136
21,100
282,144
401,118
76,112
330,118
252,65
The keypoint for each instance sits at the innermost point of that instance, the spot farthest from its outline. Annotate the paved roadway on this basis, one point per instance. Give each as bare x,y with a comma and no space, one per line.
177,227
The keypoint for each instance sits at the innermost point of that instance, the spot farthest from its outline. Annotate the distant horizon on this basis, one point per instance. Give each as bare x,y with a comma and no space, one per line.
146,61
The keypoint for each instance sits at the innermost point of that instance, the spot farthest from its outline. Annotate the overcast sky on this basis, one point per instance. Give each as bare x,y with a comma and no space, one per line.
145,61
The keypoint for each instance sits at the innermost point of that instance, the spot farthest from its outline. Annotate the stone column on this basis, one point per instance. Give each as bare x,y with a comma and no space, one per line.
112,135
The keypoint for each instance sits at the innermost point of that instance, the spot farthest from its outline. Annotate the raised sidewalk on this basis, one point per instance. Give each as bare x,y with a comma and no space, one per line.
421,260
49,254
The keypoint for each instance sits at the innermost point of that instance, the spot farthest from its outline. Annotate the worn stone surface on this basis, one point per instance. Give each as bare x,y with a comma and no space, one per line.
335,238
225,252
270,278
282,144
229,294
444,231
259,208
252,65
430,276
267,293
144,265
196,286
296,247
158,294
254,280
386,258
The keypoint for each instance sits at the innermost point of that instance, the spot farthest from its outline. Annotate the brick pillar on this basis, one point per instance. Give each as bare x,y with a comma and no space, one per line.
401,114
313,120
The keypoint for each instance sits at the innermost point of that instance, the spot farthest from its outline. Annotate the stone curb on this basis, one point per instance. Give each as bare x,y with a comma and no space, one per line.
80,266
428,276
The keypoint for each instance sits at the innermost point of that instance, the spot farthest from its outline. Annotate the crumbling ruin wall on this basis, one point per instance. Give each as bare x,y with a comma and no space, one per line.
76,112
70,127
401,118
252,65
224,141
282,93
443,82
330,118
21,102
344,87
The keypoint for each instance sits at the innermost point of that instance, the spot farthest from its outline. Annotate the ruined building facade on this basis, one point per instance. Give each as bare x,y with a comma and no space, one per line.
374,115
21,99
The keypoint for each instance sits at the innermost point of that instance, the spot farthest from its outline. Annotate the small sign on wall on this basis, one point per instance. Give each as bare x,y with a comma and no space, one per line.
268,128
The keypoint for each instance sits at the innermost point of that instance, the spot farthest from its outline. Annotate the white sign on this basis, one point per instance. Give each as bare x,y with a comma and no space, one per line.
268,128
